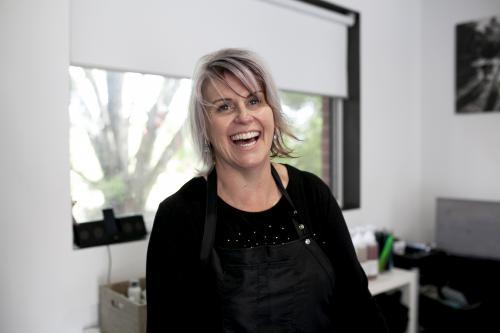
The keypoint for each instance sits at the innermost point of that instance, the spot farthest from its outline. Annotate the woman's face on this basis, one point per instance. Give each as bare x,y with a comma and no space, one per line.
240,124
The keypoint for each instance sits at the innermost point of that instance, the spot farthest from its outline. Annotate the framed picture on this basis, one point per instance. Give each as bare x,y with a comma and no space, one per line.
477,86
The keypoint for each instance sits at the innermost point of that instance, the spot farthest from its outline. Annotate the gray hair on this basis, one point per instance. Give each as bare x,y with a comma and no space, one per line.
250,70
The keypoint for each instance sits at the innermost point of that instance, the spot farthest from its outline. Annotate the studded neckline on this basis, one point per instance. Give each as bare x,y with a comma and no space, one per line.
240,229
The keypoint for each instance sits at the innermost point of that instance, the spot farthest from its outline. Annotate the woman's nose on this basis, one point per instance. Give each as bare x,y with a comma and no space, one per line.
243,114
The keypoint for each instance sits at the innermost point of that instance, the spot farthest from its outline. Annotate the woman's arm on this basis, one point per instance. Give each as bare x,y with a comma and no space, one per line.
180,293
169,274
156,273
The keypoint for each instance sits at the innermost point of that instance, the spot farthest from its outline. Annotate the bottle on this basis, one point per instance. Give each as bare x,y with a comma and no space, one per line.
372,254
360,247
134,291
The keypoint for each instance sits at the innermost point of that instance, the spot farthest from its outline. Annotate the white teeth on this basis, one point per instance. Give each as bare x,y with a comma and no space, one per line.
245,136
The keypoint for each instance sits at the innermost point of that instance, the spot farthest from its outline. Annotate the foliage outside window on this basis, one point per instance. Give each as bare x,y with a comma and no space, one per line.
129,141
309,116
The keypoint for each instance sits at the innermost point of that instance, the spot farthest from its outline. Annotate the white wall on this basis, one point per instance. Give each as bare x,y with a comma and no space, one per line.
460,153
46,286
33,147
390,116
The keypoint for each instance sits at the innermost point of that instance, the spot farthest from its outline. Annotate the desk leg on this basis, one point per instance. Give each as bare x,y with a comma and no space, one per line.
410,298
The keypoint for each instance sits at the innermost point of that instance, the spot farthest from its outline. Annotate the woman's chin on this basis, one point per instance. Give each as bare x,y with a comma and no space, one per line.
249,162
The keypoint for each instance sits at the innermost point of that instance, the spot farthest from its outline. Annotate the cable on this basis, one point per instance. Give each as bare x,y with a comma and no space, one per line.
110,263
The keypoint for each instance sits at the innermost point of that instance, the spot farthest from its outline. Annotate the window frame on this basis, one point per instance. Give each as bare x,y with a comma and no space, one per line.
346,168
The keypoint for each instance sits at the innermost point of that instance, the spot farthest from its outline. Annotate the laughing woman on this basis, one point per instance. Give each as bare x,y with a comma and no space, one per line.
251,245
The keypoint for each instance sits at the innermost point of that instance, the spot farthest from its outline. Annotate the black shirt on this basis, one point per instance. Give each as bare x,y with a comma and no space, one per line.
181,292
241,229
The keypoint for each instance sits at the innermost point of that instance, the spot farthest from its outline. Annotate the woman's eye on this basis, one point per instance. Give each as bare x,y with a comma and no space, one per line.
223,107
254,101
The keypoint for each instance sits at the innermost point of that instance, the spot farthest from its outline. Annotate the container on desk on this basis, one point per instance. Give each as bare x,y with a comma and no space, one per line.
118,314
385,244
429,262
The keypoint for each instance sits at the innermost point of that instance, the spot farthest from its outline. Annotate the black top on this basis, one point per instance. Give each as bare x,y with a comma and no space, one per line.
181,292
240,229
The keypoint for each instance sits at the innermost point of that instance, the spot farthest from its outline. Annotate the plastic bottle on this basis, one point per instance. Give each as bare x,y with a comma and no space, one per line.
134,291
372,254
360,247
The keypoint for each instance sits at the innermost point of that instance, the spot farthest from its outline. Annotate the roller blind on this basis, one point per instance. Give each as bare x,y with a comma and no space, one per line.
305,47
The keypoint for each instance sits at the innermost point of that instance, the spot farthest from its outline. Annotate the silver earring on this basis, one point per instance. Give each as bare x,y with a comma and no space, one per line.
206,147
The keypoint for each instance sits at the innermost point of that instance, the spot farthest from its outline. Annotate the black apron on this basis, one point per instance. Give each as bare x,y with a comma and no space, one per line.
278,288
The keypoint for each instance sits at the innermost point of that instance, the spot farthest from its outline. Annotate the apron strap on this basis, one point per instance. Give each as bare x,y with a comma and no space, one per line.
208,241
299,227
282,189
210,217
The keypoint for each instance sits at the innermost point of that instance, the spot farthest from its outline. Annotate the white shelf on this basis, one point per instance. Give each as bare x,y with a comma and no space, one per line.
405,280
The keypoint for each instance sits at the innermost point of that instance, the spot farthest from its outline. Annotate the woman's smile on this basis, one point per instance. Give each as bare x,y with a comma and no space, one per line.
245,139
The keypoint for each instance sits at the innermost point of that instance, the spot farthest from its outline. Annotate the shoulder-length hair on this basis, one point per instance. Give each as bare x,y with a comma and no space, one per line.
250,70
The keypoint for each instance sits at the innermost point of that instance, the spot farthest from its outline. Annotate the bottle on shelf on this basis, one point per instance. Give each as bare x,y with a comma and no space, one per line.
134,291
371,267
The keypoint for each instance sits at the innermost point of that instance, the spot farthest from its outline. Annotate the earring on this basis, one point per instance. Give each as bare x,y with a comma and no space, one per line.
206,147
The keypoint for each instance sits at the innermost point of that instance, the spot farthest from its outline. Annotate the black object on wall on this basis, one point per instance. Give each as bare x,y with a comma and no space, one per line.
352,121
110,230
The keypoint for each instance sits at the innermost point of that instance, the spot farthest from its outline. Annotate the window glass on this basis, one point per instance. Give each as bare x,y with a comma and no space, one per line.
130,147
308,116
129,144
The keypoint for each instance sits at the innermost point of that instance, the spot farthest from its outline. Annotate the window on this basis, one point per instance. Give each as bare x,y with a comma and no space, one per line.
318,39
309,116
129,142
129,145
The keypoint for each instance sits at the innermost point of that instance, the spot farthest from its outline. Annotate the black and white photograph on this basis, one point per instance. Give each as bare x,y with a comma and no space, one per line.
478,66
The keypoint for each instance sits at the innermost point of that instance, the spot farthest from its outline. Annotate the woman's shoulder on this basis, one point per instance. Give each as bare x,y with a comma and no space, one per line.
180,216
191,193
308,187
305,179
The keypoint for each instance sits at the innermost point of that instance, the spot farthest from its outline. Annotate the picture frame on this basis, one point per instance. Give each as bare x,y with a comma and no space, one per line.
477,79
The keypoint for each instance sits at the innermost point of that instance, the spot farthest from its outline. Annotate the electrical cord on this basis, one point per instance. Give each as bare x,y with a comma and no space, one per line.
110,263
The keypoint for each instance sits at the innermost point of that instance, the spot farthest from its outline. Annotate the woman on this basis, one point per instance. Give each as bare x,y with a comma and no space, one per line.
252,246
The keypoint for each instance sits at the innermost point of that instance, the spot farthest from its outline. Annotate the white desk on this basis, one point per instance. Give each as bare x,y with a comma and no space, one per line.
405,280
397,278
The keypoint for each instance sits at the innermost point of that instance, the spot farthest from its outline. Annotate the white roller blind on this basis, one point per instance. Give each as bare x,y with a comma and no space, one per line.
305,47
